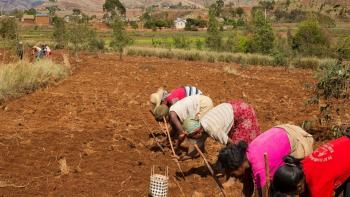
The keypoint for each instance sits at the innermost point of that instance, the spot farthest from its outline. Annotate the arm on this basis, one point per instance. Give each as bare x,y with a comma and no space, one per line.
175,122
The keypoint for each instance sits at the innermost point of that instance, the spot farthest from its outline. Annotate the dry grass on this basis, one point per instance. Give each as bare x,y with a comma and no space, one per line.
211,56
23,77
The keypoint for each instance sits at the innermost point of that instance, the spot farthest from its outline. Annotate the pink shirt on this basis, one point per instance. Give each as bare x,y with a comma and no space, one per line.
275,143
176,95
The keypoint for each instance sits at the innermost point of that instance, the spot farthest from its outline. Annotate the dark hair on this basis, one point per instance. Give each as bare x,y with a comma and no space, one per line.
233,155
348,132
288,176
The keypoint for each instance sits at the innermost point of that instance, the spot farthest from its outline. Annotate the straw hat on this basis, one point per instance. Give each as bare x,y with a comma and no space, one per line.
157,97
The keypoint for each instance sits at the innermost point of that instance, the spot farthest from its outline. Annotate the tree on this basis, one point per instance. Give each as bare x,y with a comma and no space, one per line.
76,12
263,36
114,7
8,34
52,10
78,34
31,11
59,32
310,39
119,38
214,39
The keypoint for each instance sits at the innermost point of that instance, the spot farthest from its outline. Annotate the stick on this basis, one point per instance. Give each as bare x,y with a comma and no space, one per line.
154,137
162,129
267,174
172,148
178,185
210,169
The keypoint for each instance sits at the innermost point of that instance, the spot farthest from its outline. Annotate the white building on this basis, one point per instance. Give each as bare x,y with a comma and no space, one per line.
180,23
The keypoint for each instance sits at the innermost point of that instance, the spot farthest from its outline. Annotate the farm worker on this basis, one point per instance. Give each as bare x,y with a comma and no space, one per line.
192,106
20,50
243,161
162,100
323,173
38,52
48,50
227,123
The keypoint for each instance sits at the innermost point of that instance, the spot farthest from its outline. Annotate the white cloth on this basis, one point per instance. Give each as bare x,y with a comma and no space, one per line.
192,107
218,122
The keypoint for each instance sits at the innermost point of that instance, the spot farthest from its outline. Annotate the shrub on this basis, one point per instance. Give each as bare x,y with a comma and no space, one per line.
181,42
23,77
199,44
343,48
59,33
310,39
333,81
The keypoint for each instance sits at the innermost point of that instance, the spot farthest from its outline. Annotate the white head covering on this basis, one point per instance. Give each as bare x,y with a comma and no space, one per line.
157,97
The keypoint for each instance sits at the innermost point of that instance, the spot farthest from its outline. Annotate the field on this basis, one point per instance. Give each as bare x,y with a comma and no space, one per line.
93,120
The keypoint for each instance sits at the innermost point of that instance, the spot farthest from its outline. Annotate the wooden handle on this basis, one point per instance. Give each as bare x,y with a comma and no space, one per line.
267,174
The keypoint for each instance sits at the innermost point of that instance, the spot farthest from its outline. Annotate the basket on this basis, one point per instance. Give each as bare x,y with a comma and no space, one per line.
158,184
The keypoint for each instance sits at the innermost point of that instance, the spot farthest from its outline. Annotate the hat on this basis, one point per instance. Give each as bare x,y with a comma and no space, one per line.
190,125
156,98
160,112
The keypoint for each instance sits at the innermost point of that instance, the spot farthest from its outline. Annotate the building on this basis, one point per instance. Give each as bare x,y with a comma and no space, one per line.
42,19
29,19
180,23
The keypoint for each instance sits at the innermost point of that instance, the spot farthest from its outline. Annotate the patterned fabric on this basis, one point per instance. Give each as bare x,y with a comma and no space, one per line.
245,125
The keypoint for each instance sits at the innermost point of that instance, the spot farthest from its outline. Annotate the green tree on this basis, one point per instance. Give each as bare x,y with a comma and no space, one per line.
119,37
78,34
114,7
310,39
52,10
31,11
8,34
214,38
76,11
263,37
59,32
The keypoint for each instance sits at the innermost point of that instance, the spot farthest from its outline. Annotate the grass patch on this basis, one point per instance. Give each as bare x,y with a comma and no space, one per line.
20,78
211,56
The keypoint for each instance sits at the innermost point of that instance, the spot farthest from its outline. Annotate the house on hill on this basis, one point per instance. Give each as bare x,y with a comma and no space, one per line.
42,19
29,19
180,23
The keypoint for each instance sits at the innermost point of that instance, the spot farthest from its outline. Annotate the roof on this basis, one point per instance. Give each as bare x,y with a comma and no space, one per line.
28,17
179,20
40,14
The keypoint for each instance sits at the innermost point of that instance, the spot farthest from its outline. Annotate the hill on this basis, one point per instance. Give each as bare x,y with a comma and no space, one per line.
6,5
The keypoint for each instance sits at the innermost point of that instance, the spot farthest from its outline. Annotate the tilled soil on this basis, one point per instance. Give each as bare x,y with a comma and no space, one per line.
94,121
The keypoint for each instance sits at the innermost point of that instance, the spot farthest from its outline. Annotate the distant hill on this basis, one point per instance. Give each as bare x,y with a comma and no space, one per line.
7,5
96,5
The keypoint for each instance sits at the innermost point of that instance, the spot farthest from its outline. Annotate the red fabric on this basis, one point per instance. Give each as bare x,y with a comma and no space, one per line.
176,95
246,126
328,167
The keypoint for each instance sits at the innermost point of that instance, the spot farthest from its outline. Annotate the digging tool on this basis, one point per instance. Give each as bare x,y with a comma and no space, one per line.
210,170
172,148
267,174
154,137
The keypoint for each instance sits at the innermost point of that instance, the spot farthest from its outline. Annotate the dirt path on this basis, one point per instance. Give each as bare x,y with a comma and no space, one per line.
93,120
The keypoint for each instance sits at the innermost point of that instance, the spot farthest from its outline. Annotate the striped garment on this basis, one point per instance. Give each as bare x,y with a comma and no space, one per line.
191,90
218,122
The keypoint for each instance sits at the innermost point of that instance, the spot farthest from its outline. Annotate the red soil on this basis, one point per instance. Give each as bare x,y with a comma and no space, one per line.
93,119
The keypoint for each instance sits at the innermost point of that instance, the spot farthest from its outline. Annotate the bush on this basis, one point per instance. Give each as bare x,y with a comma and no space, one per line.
199,44
343,48
23,77
181,42
279,59
310,39
333,81
96,44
